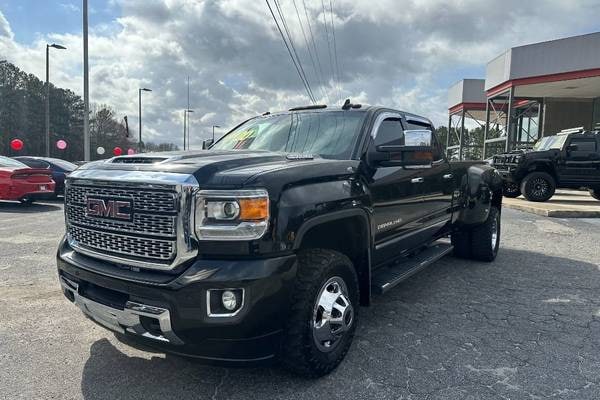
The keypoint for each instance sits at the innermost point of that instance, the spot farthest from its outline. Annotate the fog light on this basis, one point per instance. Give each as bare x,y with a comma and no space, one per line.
229,300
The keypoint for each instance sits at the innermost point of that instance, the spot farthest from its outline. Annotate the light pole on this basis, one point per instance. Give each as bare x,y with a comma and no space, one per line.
140,146
86,87
187,112
214,126
59,47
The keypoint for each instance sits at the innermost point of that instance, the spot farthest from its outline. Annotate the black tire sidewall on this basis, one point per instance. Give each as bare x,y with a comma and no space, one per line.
300,352
511,194
595,193
527,182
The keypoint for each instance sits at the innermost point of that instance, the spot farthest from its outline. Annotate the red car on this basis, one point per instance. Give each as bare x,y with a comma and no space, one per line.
18,182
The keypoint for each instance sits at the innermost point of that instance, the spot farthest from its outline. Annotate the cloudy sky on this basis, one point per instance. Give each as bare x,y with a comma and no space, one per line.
402,54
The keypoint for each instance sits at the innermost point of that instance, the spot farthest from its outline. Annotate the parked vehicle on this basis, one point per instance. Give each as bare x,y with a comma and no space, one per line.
266,245
569,160
60,169
18,182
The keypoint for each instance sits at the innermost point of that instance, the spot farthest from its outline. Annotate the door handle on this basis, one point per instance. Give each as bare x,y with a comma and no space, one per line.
448,176
417,180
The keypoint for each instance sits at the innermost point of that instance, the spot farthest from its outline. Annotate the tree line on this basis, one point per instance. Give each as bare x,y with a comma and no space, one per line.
22,116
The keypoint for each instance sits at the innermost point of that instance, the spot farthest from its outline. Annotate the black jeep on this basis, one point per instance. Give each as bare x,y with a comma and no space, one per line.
569,160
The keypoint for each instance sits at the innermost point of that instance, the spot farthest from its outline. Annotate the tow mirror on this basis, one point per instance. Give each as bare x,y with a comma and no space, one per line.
416,150
207,143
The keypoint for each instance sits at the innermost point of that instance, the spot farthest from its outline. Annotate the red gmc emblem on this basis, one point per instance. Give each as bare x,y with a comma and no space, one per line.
121,209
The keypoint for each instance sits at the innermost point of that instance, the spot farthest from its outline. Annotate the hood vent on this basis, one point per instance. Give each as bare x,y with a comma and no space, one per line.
138,160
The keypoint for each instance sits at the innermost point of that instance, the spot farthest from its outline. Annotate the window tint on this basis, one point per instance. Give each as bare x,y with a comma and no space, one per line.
390,132
33,163
585,144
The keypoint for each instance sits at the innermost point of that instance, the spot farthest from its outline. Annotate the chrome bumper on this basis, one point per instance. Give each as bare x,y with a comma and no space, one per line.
126,320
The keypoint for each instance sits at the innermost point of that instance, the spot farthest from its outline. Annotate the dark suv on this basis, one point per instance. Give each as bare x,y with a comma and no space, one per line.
569,160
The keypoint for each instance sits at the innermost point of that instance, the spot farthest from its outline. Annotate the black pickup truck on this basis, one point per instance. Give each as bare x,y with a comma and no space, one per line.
264,246
569,160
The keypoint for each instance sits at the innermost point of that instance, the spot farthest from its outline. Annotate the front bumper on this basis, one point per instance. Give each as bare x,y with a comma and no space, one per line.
169,312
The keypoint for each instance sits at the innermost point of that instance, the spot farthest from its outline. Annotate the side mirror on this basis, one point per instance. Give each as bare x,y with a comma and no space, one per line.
207,143
416,150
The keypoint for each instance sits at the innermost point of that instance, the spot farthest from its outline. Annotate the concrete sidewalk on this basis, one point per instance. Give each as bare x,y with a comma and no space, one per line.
564,204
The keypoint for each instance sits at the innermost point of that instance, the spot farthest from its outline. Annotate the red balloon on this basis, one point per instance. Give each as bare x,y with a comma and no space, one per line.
117,151
16,144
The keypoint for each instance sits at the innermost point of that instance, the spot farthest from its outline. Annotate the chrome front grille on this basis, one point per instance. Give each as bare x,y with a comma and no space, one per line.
154,249
145,224
144,200
159,235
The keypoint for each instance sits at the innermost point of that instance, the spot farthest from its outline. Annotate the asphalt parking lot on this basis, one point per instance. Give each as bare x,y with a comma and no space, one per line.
526,326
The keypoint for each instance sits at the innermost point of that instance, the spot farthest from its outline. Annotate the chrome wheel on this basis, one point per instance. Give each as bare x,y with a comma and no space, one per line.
333,314
495,228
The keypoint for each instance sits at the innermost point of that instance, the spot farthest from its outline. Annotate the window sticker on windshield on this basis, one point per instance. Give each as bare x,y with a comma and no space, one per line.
243,139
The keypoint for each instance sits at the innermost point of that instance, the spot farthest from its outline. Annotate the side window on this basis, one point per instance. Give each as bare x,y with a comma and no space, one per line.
584,145
390,132
33,163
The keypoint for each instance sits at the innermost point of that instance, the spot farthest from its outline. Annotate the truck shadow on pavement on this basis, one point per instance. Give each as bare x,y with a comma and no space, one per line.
526,325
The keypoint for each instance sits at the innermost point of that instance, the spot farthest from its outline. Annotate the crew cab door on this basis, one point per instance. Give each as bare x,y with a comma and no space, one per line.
581,161
396,194
438,185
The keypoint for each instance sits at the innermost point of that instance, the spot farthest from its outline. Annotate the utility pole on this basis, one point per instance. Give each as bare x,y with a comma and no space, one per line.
86,86
188,111
184,133
56,46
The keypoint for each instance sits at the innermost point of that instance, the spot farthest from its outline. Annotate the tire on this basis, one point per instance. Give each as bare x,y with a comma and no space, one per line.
538,186
595,193
26,201
511,190
303,351
480,242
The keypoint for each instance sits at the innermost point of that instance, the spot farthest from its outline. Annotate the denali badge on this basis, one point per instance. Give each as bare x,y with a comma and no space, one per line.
111,208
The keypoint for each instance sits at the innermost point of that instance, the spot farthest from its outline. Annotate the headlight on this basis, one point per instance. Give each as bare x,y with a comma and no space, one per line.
232,214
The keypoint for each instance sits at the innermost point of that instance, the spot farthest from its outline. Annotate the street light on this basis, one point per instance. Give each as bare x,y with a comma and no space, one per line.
186,121
140,115
58,47
214,126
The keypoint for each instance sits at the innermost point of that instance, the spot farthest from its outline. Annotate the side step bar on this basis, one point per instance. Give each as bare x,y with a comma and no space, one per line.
387,277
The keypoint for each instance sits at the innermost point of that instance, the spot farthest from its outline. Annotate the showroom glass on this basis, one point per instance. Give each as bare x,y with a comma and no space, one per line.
329,134
550,142
9,162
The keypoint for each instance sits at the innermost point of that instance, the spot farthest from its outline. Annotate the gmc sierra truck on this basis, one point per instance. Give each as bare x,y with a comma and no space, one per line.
264,246
568,160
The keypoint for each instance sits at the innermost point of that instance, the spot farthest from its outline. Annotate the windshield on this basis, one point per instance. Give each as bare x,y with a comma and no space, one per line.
550,142
327,134
9,162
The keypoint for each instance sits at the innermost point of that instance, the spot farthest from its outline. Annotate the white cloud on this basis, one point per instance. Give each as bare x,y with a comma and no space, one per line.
390,53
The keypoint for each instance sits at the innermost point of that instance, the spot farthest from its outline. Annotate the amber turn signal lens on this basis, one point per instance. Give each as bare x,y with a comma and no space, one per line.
254,209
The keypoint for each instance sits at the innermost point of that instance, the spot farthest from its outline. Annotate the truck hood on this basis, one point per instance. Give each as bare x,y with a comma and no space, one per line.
232,169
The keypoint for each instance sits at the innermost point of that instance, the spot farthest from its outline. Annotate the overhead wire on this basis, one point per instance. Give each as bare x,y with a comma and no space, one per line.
337,66
308,49
290,40
312,38
331,64
290,52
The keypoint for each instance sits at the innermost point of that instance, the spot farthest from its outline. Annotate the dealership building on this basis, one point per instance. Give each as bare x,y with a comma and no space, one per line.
528,92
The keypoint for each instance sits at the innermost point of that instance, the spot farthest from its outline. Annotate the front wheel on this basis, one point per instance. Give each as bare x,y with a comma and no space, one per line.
323,313
511,190
595,193
480,242
538,186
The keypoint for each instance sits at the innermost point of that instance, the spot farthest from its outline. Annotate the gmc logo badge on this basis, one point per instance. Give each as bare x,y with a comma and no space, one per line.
110,208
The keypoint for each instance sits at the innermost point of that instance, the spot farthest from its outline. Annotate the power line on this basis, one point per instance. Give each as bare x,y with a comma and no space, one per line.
308,49
337,66
328,43
312,38
289,50
289,36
